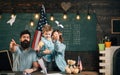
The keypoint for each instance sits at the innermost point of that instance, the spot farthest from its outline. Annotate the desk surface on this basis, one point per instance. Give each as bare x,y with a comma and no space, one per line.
49,73
34,73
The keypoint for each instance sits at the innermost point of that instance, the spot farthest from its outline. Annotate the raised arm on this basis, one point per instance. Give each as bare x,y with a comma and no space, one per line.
13,45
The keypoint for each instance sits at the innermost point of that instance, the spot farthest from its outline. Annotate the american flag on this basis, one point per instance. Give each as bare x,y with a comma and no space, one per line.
79,64
42,21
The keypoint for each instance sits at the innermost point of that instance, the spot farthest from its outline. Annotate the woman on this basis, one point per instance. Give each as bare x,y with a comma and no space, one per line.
59,50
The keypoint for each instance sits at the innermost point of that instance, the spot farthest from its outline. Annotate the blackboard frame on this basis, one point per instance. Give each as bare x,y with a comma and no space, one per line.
114,24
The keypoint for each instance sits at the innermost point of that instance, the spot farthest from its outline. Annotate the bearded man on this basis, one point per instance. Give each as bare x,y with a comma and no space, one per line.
24,57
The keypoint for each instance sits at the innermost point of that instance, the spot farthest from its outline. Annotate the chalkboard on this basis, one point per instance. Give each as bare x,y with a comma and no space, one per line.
79,35
8,32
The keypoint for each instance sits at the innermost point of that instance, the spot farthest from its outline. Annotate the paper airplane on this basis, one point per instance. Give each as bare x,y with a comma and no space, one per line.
12,20
58,24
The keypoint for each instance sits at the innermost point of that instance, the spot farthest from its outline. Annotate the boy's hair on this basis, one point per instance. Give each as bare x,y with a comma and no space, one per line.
47,28
25,32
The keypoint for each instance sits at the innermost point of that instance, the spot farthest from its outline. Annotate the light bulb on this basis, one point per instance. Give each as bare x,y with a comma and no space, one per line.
78,17
65,16
52,18
12,15
36,16
88,17
31,23
0,16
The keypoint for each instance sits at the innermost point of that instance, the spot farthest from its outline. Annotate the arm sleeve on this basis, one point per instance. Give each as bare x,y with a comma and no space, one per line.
35,58
17,50
40,54
59,47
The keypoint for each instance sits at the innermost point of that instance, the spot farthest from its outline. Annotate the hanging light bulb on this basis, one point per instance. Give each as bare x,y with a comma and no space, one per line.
52,17
0,14
31,22
88,17
65,16
77,16
13,13
36,16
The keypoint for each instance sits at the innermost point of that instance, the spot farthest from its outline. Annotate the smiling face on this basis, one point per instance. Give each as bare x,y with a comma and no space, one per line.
47,31
47,34
25,39
55,35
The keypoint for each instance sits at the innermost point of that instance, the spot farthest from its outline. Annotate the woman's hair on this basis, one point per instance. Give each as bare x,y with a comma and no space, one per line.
60,35
46,28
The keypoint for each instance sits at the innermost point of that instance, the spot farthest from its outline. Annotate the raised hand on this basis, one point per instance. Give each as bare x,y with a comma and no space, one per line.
12,45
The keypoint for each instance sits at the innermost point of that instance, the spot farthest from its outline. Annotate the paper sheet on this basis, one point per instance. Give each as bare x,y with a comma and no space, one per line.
54,74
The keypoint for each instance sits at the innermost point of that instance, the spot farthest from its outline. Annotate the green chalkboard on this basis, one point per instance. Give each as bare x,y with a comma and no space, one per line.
8,32
79,35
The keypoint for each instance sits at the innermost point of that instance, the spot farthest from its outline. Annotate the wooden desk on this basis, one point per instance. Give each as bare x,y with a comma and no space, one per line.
52,73
34,73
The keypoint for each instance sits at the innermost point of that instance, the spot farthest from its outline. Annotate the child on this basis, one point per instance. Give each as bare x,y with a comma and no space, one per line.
46,47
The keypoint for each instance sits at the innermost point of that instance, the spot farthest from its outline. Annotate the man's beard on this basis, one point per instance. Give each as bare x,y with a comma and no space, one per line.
25,44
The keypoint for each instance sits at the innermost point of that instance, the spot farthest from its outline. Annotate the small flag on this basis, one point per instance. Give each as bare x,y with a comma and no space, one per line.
42,21
79,64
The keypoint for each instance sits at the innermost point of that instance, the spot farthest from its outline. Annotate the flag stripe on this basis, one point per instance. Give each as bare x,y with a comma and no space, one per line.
37,37
33,43
80,64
